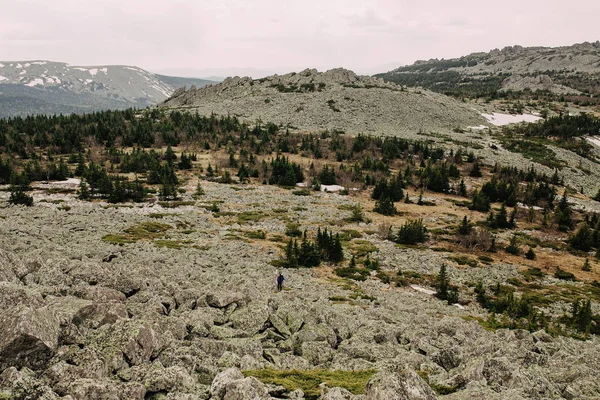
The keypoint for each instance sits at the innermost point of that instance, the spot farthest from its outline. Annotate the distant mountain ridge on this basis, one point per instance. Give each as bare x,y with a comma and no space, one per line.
567,70
46,87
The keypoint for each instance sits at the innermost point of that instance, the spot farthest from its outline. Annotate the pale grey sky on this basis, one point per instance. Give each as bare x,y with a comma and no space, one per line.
213,36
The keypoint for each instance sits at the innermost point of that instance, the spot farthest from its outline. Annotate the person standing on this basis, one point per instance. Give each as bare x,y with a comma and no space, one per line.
280,280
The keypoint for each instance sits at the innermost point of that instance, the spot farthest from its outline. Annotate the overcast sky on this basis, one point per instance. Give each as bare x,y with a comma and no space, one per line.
214,36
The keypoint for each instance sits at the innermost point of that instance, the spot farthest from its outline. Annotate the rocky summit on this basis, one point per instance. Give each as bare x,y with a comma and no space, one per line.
337,99
567,70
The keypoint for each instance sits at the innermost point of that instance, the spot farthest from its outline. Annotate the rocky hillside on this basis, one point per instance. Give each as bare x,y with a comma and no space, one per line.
335,99
560,70
187,296
44,87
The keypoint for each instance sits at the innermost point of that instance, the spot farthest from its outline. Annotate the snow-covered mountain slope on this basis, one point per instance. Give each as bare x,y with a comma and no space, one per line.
32,87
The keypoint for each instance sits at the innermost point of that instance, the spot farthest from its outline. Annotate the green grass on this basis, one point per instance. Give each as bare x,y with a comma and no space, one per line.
354,273
464,260
175,204
360,248
161,215
532,274
301,192
250,216
255,235
143,231
338,299
441,390
309,381
170,244
535,150
349,234
60,191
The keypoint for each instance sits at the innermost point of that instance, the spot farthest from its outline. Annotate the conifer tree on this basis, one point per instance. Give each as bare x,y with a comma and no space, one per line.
564,214
385,206
443,283
83,192
465,226
586,266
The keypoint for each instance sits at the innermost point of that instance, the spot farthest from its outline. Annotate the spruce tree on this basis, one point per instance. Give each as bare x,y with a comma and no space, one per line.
530,255
476,171
513,246
83,193
480,202
443,283
502,217
586,266
18,185
465,226
385,206
462,188
564,214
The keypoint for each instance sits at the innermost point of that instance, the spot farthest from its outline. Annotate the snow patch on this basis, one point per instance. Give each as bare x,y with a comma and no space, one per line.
2,78
80,69
88,81
103,70
35,82
27,65
423,290
594,140
93,71
331,188
39,63
19,66
23,72
162,90
478,128
506,119
1,65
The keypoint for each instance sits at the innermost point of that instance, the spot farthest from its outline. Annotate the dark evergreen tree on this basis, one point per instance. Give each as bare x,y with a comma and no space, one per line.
18,185
530,255
476,170
564,214
385,206
443,284
480,202
465,226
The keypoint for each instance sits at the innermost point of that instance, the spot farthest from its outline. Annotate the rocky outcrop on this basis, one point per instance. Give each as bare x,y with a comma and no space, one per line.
231,385
335,99
393,386
534,83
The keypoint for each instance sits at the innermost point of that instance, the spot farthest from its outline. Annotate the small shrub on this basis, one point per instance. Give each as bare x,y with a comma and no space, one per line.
513,247
532,273
586,266
292,229
530,255
564,275
256,235
354,273
412,232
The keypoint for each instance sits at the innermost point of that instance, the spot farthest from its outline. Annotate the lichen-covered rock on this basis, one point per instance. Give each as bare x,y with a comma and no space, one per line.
337,393
28,337
246,389
88,389
15,384
392,386
219,385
